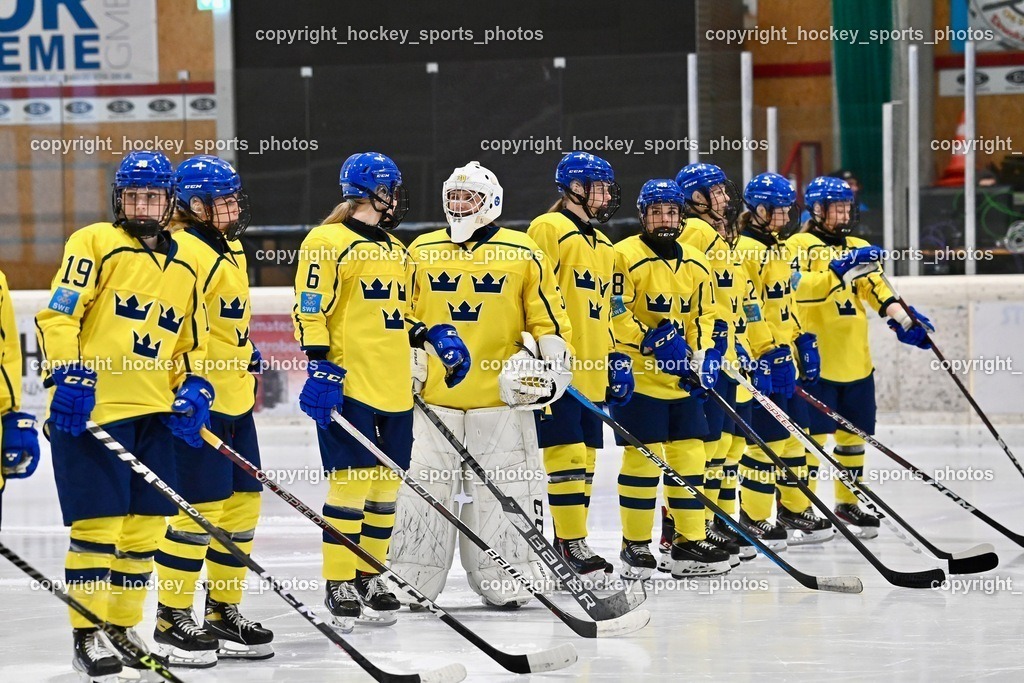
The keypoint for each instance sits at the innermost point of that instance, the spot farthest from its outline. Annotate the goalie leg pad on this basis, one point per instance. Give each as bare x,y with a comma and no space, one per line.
423,542
504,442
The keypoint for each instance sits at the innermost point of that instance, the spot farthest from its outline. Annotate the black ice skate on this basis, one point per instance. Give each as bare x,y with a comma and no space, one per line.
239,637
637,561
182,641
343,603
722,541
863,524
804,527
697,558
580,557
379,604
668,532
127,658
92,659
770,534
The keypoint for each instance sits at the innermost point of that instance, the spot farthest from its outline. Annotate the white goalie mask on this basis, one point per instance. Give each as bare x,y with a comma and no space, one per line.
471,198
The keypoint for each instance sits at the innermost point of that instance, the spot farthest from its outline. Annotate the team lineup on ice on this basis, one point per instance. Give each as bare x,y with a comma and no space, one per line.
488,390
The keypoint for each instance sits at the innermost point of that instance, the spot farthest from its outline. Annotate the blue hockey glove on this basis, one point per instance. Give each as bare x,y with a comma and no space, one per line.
810,359
669,349
706,365
20,445
620,379
721,336
322,391
444,340
759,372
190,411
256,362
857,263
74,398
780,360
912,330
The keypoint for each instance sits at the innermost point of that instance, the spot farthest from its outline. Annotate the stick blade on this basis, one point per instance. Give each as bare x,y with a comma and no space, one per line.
929,578
840,584
451,673
980,549
619,604
553,659
974,564
626,624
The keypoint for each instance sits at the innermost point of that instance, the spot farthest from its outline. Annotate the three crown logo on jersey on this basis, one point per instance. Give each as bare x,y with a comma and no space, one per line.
724,278
401,292
232,310
130,308
145,346
659,304
167,320
784,314
846,308
376,289
243,337
684,305
741,325
488,285
393,320
603,286
584,280
464,312
443,282
777,291
595,310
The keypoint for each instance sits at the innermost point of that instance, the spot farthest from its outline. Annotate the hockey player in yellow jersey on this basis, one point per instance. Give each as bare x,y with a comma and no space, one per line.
499,291
663,319
774,335
19,440
353,320
711,203
836,284
212,213
583,260
124,336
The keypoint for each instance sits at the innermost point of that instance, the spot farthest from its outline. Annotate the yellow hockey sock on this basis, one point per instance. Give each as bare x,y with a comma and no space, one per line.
714,472
730,474
225,574
813,462
132,567
790,495
180,554
378,517
757,475
567,498
346,499
638,492
688,458
87,565
849,452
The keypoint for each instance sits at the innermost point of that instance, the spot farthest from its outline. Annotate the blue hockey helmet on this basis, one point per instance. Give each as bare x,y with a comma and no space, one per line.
700,179
660,191
207,178
773,192
139,170
827,190
374,176
587,169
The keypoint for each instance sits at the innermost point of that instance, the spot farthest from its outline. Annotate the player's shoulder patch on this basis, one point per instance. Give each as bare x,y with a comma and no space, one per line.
752,312
618,307
64,300
309,302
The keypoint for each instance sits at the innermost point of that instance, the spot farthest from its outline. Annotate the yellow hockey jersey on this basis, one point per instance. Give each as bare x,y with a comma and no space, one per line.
837,313
491,288
771,315
10,358
583,260
727,282
647,289
352,301
225,282
132,314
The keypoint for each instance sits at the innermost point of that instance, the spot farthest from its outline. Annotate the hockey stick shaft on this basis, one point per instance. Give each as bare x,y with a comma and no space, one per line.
922,579
452,672
853,429
865,494
959,383
115,635
586,629
556,658
837,584
598,608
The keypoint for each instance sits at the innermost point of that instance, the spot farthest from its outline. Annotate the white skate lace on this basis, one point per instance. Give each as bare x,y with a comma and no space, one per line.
714,534
344,590
580,550
235,617
639,550
375,587
184,620
95,648
704,545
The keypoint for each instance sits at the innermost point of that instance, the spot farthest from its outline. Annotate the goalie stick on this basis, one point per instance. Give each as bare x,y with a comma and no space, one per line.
928,578
115,636
949,370
546,660
972,561
835,584
615,625
452,673
853,429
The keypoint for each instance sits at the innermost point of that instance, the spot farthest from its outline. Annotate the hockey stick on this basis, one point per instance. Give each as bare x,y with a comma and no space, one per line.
451,672
118,638
835,584
927,578
853,429
972,561
551,659
601,609
617,626
949,370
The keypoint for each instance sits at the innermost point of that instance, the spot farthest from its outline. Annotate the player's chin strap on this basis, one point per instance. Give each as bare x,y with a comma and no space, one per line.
537,374
949,370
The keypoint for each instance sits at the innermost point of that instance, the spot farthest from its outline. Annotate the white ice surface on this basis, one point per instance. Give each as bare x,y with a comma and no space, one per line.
771,628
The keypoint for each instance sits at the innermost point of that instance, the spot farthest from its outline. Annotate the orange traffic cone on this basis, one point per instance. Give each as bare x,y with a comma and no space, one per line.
953,175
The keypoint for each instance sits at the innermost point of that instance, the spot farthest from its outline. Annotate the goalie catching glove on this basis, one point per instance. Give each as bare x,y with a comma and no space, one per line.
537,374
